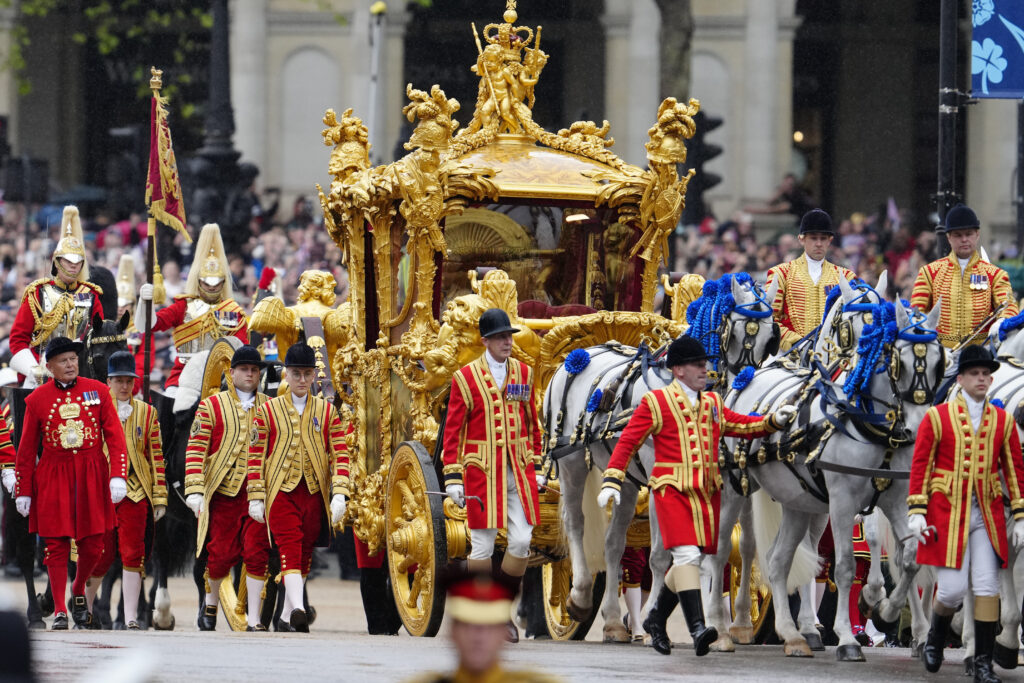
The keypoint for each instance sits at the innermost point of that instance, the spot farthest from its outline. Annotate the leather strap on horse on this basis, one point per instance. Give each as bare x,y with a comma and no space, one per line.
874,472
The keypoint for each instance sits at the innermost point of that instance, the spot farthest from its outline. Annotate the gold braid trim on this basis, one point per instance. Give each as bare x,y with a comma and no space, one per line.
46,323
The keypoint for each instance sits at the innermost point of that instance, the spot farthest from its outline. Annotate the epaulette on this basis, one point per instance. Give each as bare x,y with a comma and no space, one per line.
34,285
92,285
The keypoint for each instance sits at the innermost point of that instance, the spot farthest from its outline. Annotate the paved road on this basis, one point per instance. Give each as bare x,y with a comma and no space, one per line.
339,647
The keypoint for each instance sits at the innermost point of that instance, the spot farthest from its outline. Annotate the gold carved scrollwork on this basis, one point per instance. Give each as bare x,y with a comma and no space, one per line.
683,293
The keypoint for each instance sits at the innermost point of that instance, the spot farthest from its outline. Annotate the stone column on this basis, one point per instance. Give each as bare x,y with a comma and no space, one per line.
392,85
631,74
249,78
760,95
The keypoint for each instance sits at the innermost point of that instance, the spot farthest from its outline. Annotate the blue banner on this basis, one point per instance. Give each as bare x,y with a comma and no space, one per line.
997,49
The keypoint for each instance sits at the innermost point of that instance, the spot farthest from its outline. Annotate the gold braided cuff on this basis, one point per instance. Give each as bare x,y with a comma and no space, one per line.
613,479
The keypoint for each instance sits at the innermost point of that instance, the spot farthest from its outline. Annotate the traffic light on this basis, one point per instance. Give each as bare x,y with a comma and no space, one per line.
699,152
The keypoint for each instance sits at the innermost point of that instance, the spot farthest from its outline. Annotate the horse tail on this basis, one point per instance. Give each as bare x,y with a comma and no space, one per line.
595,522
767,521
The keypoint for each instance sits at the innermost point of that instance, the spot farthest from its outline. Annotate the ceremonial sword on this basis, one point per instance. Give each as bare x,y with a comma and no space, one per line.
927,531
443,493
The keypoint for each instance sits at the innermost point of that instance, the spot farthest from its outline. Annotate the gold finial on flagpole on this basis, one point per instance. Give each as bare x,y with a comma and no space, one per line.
156,79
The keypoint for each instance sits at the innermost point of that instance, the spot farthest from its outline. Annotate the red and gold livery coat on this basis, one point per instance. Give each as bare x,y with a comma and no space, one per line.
491,433
281,437
951,464
197,325
218,451
51,308
145,455
70,484
800,304
685,480
7,453
967,298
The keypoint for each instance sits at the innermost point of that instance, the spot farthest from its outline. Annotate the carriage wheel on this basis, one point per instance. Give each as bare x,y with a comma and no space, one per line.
218,365
417,543
556,578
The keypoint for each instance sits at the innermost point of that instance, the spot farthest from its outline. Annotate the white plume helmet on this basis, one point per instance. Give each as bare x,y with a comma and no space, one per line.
71,245
126,280
209,263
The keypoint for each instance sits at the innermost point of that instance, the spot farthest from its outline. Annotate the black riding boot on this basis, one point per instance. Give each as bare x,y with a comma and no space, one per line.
654,624
931,655
984,644
693,609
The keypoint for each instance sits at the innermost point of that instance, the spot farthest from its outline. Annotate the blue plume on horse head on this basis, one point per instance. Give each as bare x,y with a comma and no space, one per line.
743,378
1009,325
594,401
874,349
834,292
707,312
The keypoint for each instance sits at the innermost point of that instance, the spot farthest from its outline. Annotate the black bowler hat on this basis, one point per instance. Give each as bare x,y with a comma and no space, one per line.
59,345
300,355
686,349
121,364
961,217
246,354
495,321
976,356
816,220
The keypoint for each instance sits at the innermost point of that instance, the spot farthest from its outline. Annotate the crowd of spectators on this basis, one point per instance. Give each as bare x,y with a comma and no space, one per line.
28,237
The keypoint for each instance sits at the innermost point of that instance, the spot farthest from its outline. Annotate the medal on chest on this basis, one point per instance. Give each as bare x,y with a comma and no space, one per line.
517,392
979,281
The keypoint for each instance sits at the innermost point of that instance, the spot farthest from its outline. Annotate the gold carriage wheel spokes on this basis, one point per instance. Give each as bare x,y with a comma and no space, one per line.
417,550
556,580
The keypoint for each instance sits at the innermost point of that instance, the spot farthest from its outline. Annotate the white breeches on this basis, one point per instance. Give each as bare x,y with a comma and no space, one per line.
685,554
980,560
520,532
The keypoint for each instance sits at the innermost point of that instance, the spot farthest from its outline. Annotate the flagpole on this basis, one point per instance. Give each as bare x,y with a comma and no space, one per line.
155,83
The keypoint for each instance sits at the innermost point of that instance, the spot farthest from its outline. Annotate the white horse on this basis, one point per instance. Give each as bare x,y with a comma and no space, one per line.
833,341
586,410
863,419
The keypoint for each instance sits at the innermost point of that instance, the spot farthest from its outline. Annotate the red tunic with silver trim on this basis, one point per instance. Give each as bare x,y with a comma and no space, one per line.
953,464
70,484
492,433
685,480
185,331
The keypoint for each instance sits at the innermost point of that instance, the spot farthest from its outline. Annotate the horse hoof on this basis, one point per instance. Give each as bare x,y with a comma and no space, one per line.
797,647
165,626
915,649
814,641
849,653
615,632
968,666
1004,656
743,635
723,644
575,611
864,608
889,628
37,625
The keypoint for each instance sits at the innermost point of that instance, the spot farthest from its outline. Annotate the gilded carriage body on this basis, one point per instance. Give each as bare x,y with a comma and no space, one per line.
553,228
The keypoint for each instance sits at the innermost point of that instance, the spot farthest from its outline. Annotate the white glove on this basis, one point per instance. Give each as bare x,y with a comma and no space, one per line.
9,479
118,489
23,503
785,415
542,482
140,308
608,493
24,363
918,524
1018,533
993,332
257,510
195,503
158,512
338,504
146,292
457,493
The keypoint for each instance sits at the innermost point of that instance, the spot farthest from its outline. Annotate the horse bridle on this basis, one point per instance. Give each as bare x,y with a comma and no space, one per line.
91,341
749,313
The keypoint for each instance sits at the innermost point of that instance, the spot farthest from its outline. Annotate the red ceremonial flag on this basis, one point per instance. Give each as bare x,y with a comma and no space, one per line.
163,187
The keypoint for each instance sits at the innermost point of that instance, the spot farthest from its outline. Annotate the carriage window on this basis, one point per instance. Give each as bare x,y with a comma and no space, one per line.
542,248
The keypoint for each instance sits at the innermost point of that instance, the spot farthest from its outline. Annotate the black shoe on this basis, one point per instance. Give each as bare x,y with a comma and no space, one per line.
298,621
208,618
511,632
80,610
60,622
693,609
654,624
257,627
984,644
931,655
133,626
282,626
